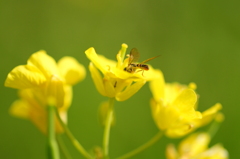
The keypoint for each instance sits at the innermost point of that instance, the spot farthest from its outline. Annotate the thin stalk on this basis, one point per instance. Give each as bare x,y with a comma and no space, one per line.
143,147
74,141
106,133
53,152
63,148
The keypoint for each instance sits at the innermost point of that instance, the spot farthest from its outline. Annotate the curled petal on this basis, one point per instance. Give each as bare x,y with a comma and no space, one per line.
45,63
130,91
71,70
102,63
24,76
97,79
68,94
208,115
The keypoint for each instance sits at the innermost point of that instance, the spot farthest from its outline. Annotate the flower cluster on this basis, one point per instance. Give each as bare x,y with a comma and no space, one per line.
44,83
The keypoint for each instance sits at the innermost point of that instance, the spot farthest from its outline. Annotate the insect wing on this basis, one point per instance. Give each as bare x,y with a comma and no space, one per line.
134,55
149,59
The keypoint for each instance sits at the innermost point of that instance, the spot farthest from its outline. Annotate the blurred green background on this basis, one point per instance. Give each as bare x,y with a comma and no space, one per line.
199,41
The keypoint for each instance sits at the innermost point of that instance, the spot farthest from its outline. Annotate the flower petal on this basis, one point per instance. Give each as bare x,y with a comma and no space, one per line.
208,115
102,63
24,76
121,55
185,102
130,91
55,92
157,86
71,70
194,144
109,88
20,108
97,79
216,152
45,63
164,117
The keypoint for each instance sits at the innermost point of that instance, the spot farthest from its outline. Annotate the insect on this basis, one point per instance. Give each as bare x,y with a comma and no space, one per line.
136,67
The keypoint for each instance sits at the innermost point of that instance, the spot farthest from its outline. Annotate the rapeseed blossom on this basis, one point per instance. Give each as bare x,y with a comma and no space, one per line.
196,147
174,108
42,82
114,81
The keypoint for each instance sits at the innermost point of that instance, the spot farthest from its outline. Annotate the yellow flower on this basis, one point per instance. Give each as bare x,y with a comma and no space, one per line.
196,147
115,81
46,77
207,116
27,107
43,82
173,107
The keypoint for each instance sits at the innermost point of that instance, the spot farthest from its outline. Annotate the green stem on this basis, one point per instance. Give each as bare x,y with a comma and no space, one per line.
53,152
63,148
106,134
74,141
143,147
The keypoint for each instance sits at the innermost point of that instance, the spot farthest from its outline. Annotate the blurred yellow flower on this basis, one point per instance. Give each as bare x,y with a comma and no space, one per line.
46,77
27,107
42,82
208,115
173,107
115,81
196,147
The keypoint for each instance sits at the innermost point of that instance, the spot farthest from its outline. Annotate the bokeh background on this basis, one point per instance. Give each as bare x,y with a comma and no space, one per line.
199,41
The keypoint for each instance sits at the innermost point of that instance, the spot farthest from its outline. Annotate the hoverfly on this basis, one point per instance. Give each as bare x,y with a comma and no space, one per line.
136,67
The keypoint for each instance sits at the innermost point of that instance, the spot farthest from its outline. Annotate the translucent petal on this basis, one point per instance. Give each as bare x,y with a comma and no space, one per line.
179,130
20,108
102,113
165,117
194,144
208,115
24,76
171,152
97,79
68,94
109,88
45,63
55,92
71,70
185,102
172,90
130,91
215,152
157,86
